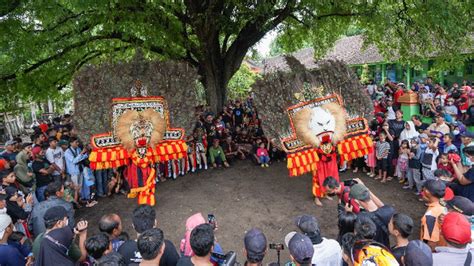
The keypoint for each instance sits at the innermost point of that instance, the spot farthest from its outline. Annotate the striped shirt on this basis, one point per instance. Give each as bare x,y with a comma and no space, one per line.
382,149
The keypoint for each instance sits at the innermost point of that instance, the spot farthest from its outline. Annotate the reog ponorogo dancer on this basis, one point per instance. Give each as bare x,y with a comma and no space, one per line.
141,138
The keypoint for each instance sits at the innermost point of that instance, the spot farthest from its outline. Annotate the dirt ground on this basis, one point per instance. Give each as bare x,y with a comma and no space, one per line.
243,197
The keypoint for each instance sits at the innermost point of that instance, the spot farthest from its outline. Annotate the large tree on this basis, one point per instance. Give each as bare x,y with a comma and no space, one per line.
43,43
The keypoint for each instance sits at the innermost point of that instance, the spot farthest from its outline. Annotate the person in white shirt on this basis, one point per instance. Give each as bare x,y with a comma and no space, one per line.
326,251
55,156
390,110
428,161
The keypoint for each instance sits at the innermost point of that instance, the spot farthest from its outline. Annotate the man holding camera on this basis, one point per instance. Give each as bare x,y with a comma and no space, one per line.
374,208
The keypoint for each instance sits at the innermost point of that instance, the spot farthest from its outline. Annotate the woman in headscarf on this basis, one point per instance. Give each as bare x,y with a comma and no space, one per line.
409,132
24,176
54,248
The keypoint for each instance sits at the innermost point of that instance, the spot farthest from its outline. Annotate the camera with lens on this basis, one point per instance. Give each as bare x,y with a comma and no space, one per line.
229,259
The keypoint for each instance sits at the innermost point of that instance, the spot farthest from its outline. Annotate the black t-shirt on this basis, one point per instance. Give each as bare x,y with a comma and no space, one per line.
421,127
185,261
210,129
381,217
466,191
129,251
239,115
41,179
398,253
397,126
13,209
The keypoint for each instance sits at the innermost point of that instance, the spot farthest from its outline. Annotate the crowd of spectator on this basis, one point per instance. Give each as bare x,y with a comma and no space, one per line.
433,145
43,182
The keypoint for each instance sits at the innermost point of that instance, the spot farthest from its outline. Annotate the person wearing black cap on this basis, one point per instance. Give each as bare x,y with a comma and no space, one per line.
433,192
300,247
417,253
375,209
255,247
326,251
464,184
462,205
56,220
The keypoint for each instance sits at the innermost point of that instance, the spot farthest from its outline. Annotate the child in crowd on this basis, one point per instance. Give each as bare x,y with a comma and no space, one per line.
425,98
379,94
449,147
463,103
200,142
371,161
192,153
444,164
430,233
414,166
428,160
382,150
450,110
217,155
262,153
402,162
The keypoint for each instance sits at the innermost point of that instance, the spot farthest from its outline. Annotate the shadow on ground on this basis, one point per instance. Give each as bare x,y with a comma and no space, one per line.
246,196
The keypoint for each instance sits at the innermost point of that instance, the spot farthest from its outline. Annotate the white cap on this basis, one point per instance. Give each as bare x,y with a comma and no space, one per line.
288,237
5,221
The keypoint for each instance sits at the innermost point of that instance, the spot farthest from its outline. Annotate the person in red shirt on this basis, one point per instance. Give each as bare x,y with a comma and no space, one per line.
397,94
443,163
342,190
463,102
379,108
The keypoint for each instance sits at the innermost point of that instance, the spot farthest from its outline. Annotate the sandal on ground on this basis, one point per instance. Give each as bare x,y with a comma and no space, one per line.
91,204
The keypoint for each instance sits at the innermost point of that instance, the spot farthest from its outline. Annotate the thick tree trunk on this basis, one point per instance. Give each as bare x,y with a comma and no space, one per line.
215,78
216,94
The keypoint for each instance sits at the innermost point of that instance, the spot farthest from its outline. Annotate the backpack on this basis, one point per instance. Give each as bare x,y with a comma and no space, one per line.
371,253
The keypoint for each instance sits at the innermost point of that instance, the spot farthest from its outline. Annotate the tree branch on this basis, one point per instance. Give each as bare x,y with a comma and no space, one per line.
251,33
57,55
